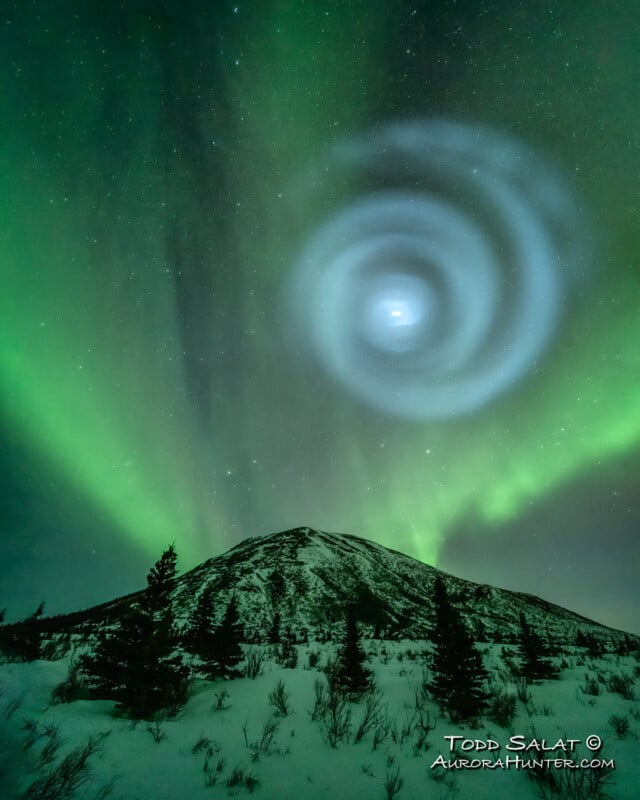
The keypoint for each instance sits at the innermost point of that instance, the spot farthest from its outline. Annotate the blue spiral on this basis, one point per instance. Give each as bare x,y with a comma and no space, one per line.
441,282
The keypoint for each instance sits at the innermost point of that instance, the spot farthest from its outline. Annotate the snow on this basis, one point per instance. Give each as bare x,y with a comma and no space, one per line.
300,763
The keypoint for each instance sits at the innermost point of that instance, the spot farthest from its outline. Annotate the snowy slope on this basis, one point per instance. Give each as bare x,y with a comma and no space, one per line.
193,757
321,572
218,745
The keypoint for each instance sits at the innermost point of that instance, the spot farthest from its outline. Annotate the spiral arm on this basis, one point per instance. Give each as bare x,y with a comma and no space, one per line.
440,284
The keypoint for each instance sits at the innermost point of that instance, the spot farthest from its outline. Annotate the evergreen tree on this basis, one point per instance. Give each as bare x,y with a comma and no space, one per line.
351,674
160,581
226,642
533,655
458,672
32,642
201,624
22,641
274,631
136,663
117,668
200,638
29,638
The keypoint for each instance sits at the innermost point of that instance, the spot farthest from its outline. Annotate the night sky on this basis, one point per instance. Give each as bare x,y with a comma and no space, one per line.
367,267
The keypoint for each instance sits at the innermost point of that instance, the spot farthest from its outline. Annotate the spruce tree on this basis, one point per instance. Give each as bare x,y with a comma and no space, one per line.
136,663
5,639
458,672
533,654
200,638
226,642
29,638
160,581
274,631
22,641
351,674
117,669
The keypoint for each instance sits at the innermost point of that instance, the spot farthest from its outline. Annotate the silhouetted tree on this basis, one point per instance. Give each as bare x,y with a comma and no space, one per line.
29,637
351,674
533,654
226,642
160,582
274,631
22,641
200,638
201,622
458,672
136,663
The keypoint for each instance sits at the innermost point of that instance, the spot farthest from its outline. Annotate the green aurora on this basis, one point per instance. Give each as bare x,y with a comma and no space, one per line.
154,196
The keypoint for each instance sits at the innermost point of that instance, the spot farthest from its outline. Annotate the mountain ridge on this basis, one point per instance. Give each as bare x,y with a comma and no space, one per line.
308,576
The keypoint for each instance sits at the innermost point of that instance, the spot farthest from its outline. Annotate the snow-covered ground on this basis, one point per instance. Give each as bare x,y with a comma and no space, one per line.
194,755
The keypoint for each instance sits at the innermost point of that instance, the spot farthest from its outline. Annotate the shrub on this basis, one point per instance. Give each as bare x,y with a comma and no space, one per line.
250,781
410,722
319,700
239,776
591,686
64,779
206,745
423,728
70,688
236,777
334,715
279,699
620,725
502,707
261,746
33,733
572,784
157,732
51,747
314,659
220,702
254,663
393,782
372,717
11,706
623,685
212,776
522,688
287,655
380,734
